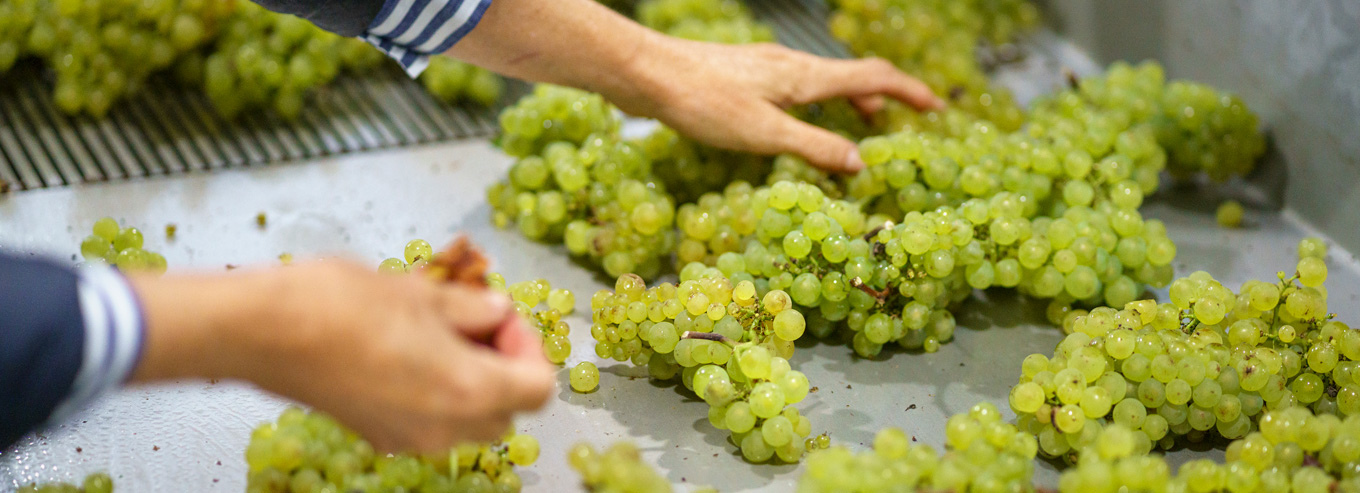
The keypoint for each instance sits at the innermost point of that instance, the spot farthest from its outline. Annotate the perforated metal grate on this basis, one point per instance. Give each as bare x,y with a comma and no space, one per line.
165,129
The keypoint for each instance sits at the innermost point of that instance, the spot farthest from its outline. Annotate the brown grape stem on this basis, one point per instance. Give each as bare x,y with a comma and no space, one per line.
707,336
858,283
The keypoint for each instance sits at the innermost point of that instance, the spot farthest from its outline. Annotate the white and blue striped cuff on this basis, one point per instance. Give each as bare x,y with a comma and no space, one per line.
114,335
412,30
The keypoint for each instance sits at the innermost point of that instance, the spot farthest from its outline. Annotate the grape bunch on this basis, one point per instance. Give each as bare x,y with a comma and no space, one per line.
121,247
101,51
727,343
721,21
1295,449
266,59
306,451
618,469
94,483
416,256
689,169
529,295
451,80
982,453
718,21
576,181
554,113
1200,128
1209,362
937,40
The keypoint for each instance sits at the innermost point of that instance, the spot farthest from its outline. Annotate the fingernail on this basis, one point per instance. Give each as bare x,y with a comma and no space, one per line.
853,163
497,302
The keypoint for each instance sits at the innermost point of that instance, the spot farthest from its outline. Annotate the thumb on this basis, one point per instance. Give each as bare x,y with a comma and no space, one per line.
820,147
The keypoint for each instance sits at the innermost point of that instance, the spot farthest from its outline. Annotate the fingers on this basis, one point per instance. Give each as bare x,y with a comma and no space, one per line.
864,77
867,105
516,340
820,147
513,385
475,313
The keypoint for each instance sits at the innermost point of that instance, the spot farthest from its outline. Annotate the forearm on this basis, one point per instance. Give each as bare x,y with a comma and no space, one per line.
201,326
577,43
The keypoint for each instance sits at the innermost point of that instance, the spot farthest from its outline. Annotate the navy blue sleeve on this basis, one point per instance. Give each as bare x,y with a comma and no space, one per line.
41,342
344,17
409,31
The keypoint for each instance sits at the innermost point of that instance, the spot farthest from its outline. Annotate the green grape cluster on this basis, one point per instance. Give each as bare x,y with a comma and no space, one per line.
583,185
266,59
665,15
94,483
727,343
552,114
937,39
982,453
528,296
310,452
451,81
1204,130
103,50
718,21
690,169
1200,128
121,247
417,254
1295,450
618,469
1209,362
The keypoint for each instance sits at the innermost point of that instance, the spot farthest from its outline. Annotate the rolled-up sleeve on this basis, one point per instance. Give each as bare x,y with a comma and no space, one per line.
66,336
409,31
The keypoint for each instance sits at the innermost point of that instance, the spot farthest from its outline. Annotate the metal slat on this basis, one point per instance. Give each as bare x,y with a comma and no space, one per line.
202,139
52,139
44,173
87,157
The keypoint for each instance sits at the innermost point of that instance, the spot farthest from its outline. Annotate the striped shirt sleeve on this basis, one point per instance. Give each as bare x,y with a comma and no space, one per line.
114,337
412,30
66,336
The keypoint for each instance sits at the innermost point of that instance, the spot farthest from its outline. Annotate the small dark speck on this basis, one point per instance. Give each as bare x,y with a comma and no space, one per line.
74,257
715,455
848,387
231,267
960,364
214,480
78,450
812,390
219,462
155,448
913,438
913,406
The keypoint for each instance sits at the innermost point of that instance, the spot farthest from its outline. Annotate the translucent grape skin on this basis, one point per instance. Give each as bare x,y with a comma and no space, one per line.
585,377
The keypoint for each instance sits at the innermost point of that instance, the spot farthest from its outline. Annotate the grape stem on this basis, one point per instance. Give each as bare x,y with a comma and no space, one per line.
858,283
874,232
707,336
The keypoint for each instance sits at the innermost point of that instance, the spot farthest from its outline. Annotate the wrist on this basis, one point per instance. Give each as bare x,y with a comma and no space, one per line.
639,83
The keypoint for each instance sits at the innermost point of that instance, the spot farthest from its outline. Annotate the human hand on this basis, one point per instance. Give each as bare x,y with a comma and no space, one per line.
397,358
734,96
